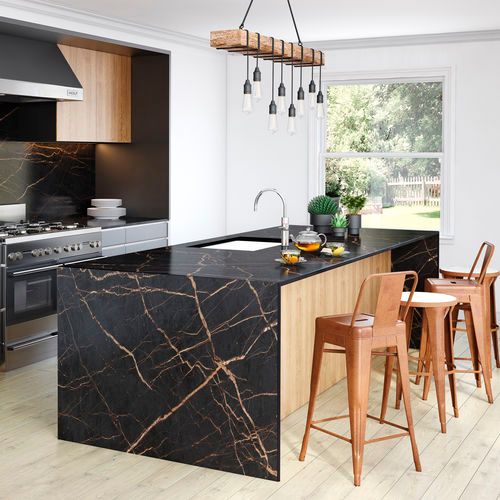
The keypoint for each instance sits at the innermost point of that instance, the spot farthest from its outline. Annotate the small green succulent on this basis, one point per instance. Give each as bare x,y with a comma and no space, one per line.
322,205
339,220
354,203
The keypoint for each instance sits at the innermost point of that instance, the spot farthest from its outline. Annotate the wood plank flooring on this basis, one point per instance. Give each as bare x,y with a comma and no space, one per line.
463,463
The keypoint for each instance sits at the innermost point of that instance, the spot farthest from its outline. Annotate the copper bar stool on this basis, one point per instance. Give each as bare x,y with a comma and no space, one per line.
474,295
436,334
361,335
490,279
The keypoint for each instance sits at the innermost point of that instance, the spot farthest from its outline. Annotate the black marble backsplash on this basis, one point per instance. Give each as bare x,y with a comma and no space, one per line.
55,180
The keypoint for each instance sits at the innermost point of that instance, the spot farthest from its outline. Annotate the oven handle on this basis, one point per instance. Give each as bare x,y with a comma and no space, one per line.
29,343
36,270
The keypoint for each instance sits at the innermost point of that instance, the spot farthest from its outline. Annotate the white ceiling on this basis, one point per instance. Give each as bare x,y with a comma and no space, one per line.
317,19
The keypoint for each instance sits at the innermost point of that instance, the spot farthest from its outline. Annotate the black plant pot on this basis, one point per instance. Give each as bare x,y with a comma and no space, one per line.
339,232
354,224
321,222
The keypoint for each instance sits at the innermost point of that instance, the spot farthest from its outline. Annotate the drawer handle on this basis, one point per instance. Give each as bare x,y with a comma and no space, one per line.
29,343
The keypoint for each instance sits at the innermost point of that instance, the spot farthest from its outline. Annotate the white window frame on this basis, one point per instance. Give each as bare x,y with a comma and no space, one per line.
317,134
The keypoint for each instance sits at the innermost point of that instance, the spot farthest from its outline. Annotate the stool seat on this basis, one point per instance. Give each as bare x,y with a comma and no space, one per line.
462,272
429,299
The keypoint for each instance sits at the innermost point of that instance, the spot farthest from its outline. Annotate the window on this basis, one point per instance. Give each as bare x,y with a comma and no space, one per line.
385,139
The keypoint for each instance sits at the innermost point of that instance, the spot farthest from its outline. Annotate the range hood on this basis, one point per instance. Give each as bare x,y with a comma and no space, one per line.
32,70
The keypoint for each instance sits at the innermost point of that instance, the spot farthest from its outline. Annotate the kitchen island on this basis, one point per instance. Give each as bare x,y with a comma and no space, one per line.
195,354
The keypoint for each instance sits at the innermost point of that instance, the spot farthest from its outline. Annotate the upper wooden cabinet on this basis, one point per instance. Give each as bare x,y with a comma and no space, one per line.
104,115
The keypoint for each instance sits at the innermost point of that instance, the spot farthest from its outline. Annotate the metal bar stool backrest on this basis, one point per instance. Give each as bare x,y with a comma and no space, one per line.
387,309
488,249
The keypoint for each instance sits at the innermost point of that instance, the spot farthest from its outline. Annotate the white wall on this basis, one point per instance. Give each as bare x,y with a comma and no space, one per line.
198,116
255,159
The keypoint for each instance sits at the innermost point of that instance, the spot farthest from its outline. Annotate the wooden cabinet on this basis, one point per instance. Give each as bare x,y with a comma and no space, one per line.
104,115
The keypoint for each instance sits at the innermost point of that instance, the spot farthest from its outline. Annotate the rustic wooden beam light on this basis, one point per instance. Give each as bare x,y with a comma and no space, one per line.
251,44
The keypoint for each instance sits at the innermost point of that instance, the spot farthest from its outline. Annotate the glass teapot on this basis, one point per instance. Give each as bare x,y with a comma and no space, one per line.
309,240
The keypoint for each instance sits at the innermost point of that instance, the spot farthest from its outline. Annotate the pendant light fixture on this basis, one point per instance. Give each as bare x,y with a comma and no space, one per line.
257,75
247,87
320,99
312,87
264,48
291,110
273,109
300,93
281,88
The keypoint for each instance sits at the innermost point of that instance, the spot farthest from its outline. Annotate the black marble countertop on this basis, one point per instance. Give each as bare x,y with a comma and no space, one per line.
109,224
189,259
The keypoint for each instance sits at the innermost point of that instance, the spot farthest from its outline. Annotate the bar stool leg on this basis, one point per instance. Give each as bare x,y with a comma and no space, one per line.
422,351
315,373
358,361
471,337
450,362
405,389
494,326
477,310
487,327
435,316
427,360
389,366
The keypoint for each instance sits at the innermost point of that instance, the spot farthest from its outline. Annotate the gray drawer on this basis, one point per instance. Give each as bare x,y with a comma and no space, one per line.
143,232
113,236
114,250
146,245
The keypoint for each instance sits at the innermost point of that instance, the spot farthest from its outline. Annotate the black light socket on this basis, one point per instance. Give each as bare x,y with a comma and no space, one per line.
292,113
312,87
257,75
281,90
247,88
301,94
273,109
320,99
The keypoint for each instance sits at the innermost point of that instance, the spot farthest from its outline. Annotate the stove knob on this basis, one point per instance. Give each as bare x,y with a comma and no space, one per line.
67,248
12,256
57,249
35,252
79,246
19,256
74,247
48,251
98,244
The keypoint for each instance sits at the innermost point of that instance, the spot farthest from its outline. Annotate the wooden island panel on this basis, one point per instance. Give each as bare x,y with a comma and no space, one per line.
330,292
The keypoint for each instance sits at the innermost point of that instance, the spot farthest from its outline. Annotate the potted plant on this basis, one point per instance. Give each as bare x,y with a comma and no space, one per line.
321,210
354,205
339,225
333,189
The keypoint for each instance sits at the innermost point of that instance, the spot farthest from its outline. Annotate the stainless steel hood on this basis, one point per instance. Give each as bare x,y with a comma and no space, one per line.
32,70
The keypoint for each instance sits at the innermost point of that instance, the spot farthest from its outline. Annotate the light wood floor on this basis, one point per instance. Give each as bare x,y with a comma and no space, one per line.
464,463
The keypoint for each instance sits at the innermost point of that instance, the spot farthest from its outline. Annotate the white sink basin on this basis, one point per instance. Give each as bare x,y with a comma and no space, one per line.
243,245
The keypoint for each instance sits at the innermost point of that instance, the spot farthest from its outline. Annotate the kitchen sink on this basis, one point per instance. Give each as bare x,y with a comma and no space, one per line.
243,245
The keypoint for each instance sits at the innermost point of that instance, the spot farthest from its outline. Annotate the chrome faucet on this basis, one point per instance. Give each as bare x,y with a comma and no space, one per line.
285,227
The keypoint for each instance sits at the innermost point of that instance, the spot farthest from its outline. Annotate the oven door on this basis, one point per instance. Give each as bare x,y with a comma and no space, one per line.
31,295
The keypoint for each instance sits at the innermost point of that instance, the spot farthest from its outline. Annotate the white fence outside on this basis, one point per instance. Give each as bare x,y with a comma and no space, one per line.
411,191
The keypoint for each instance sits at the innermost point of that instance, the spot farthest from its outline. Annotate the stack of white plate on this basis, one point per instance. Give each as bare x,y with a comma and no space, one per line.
106,208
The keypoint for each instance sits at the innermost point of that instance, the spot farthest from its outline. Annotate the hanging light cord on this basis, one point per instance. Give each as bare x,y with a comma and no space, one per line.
312,64
301,62
291,71
272,62
321,64
248,55
282,58
242,25
258,50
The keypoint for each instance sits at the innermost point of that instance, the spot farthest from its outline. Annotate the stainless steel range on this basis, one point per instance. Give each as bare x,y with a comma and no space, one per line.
30,253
